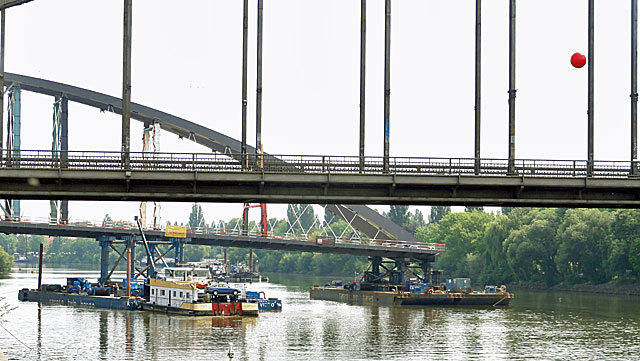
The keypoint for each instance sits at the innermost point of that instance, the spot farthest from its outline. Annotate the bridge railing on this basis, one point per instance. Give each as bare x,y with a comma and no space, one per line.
207,231
218,162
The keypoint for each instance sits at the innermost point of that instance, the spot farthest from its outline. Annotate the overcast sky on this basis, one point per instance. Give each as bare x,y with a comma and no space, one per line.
187,61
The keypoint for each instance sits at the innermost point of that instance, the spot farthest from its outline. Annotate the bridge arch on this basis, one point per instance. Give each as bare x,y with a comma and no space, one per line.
360,217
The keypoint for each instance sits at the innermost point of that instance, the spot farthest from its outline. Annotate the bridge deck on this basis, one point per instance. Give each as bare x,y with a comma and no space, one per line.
325,180
381,248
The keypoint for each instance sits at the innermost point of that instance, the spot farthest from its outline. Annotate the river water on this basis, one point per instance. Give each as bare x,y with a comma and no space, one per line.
537,326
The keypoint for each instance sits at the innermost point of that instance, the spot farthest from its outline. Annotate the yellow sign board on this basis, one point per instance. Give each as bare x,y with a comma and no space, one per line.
175,231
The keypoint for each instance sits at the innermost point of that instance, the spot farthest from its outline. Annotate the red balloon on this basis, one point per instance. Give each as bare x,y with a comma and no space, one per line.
578,60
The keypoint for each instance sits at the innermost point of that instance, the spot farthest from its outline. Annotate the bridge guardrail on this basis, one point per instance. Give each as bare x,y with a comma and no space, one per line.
218,162
204,231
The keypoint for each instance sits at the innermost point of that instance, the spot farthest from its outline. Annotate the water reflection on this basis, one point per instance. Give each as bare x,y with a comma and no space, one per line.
537,325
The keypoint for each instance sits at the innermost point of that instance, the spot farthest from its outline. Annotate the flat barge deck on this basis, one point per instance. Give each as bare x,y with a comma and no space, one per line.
341,294
71,299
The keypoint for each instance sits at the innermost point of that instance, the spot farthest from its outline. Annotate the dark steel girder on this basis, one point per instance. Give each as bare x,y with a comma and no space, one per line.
171,123
189,186
257,242
9,3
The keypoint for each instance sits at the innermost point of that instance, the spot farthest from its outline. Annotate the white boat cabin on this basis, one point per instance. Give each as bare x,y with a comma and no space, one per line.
187,274
172,294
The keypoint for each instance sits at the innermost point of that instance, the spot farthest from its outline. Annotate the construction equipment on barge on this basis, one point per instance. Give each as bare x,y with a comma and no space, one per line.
392,288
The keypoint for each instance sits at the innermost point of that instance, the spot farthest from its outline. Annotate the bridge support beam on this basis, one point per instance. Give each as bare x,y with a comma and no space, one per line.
478,87
131,245
259,90
590,112
105,249
387,82
178,244
363,61
60,147
401,266
12,207
126,85
2,28
375,265
634,87
245,52
512,87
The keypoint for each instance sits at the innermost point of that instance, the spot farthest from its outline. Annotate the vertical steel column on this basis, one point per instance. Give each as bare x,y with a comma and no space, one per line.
245,52
387,81
126,85
2,26
259,89
401,268
54,215
64,154
363,61
634,87
14,141
129,265
132,248
179,245
245,231
40,267
512,87
375,265
478,87
590,112
104,258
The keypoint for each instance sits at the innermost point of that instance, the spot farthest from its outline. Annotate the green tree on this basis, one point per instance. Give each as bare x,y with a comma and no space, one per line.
531,249
462,234
196,217
583,245
107,221
6,262
398,214
438,212
473,209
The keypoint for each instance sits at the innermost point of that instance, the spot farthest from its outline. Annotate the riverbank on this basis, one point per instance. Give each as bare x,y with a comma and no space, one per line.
631,289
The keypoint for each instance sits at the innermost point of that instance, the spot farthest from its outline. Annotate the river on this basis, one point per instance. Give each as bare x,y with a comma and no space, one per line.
536,326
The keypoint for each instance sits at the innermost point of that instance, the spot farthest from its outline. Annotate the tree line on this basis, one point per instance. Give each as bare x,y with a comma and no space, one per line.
549,245
515,245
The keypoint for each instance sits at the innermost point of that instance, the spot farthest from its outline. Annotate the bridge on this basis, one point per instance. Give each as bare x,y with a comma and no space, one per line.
236,172
221,177
318,179
111,234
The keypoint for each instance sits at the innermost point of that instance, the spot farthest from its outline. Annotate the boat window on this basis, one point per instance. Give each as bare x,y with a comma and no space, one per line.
174,293
153,291
180,294
188,295
162,292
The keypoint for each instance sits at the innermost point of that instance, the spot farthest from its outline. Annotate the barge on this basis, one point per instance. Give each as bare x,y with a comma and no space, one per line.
400,298
50,295
176,297
455,292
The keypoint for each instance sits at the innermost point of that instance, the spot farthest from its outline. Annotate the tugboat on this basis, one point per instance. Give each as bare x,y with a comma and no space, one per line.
190,298
264,303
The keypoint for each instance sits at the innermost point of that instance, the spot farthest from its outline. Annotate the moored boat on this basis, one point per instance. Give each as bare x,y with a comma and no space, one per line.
456,292
187,298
